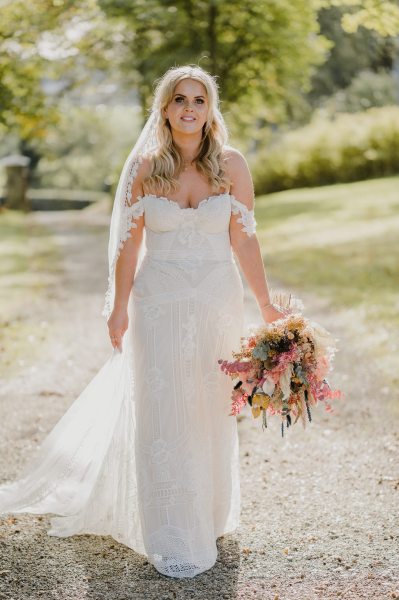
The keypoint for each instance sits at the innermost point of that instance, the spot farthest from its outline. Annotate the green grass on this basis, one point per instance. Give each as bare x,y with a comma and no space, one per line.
341,243
28,267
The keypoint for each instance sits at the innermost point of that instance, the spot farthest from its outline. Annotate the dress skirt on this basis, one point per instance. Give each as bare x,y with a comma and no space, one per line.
148,452
186,316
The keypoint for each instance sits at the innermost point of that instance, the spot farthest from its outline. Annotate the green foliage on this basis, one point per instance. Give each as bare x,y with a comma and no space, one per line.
381,16
251,46
378,15
24,106
366,90
39,45
349,55
349,148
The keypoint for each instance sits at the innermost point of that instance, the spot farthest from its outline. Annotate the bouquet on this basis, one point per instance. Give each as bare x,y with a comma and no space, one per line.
282,366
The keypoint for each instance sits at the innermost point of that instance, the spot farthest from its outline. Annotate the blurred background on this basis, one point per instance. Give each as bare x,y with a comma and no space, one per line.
310,92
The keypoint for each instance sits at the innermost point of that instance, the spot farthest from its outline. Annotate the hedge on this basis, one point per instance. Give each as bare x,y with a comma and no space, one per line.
351,147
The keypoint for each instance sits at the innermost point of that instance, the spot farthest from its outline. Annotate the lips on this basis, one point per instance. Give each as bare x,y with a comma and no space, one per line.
188,119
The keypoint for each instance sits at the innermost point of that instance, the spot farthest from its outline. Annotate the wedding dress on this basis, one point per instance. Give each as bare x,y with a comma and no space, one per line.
148,452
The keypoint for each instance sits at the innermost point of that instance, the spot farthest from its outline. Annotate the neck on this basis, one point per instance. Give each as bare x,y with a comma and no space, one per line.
188,145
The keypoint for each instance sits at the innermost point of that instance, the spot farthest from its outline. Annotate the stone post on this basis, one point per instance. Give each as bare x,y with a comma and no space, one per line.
16,167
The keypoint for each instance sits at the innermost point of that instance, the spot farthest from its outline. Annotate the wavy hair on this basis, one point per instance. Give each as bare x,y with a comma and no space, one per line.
166,161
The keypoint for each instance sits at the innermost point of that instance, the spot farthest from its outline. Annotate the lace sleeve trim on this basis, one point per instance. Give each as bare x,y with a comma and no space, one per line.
247,217
135,211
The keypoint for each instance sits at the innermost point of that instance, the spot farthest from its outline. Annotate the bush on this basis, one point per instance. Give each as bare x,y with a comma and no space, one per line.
349,148
368,89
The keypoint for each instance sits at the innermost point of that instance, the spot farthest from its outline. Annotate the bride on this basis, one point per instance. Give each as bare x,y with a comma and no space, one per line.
148,452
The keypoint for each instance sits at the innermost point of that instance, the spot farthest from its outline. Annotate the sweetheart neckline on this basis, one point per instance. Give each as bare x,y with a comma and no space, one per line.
200,203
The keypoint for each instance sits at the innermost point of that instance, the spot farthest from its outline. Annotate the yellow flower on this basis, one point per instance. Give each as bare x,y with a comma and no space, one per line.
257,399
261,400
256,411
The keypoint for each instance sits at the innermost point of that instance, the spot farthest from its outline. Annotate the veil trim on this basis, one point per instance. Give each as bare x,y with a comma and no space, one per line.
124,211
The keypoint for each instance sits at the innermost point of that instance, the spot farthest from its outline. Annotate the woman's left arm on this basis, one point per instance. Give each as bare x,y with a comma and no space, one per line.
243,238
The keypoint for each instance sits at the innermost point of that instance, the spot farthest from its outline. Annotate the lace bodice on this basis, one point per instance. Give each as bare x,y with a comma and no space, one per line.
173,232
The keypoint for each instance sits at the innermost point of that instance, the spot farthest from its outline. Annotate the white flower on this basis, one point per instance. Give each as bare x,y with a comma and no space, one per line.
285,381
268,387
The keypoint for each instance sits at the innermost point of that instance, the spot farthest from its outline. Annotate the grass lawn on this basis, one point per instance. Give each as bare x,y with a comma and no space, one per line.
28,266
340,242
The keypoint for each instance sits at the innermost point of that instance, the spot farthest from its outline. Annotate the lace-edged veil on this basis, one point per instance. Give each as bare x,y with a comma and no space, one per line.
61,477
121,211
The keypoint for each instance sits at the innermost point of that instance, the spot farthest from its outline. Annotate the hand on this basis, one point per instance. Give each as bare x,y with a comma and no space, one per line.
272,313
117,325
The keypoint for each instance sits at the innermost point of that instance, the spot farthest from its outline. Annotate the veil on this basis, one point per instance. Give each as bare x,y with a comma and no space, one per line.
72,469
122,208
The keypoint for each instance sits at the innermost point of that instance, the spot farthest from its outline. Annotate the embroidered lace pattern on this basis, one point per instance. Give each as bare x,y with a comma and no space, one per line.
148,453
247,217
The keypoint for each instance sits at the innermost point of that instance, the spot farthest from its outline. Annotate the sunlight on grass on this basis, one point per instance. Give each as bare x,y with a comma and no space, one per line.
339,242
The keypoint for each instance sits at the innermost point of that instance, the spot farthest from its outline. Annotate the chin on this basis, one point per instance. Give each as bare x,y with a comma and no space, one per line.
188,127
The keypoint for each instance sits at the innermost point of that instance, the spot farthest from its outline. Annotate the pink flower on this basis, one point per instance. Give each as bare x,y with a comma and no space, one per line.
322,368
238,401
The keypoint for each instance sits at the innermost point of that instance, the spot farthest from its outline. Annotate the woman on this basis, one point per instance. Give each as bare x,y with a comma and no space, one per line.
148,453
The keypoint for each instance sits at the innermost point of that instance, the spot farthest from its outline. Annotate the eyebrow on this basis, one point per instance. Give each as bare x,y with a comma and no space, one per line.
186,96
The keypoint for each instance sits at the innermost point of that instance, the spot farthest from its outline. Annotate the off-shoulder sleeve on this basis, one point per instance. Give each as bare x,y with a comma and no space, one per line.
247,216
129,213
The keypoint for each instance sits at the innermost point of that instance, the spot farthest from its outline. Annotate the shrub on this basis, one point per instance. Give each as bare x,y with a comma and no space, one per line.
349,148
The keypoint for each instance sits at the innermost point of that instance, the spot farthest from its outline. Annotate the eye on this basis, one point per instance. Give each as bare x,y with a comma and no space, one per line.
180,99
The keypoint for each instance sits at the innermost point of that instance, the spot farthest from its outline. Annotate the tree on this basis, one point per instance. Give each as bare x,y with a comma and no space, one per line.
350,54
263,48
381,16
38,46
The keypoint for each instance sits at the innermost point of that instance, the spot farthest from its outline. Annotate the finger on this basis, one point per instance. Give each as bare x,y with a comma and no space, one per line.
115,340
117,343
115,333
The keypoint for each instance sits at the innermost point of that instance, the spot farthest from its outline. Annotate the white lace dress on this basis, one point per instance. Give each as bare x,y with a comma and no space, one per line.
148,453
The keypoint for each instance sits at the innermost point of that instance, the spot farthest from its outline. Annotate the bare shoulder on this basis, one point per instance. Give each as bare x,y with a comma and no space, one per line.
143,171
240,176
234,158
144,168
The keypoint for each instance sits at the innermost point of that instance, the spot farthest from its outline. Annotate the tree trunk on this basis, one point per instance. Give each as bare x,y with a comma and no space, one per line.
16,188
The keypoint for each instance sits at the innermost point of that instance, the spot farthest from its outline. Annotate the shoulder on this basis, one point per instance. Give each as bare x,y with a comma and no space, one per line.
240,176
234,159
140,170
144,167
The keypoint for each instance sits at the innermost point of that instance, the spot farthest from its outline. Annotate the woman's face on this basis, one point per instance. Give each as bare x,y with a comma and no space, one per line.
188,109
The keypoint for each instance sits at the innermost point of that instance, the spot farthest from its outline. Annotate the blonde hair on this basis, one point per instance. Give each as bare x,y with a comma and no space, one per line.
166,161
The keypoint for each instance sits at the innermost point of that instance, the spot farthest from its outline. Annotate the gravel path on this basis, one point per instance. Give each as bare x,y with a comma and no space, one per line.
319,507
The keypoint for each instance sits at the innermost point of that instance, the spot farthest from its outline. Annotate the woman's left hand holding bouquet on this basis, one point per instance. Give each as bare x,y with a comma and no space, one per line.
271,313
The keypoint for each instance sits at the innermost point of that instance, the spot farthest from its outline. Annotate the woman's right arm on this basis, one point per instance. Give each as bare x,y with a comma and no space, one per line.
126,264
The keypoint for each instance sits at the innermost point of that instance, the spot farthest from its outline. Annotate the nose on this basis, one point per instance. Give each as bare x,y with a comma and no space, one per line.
187,105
